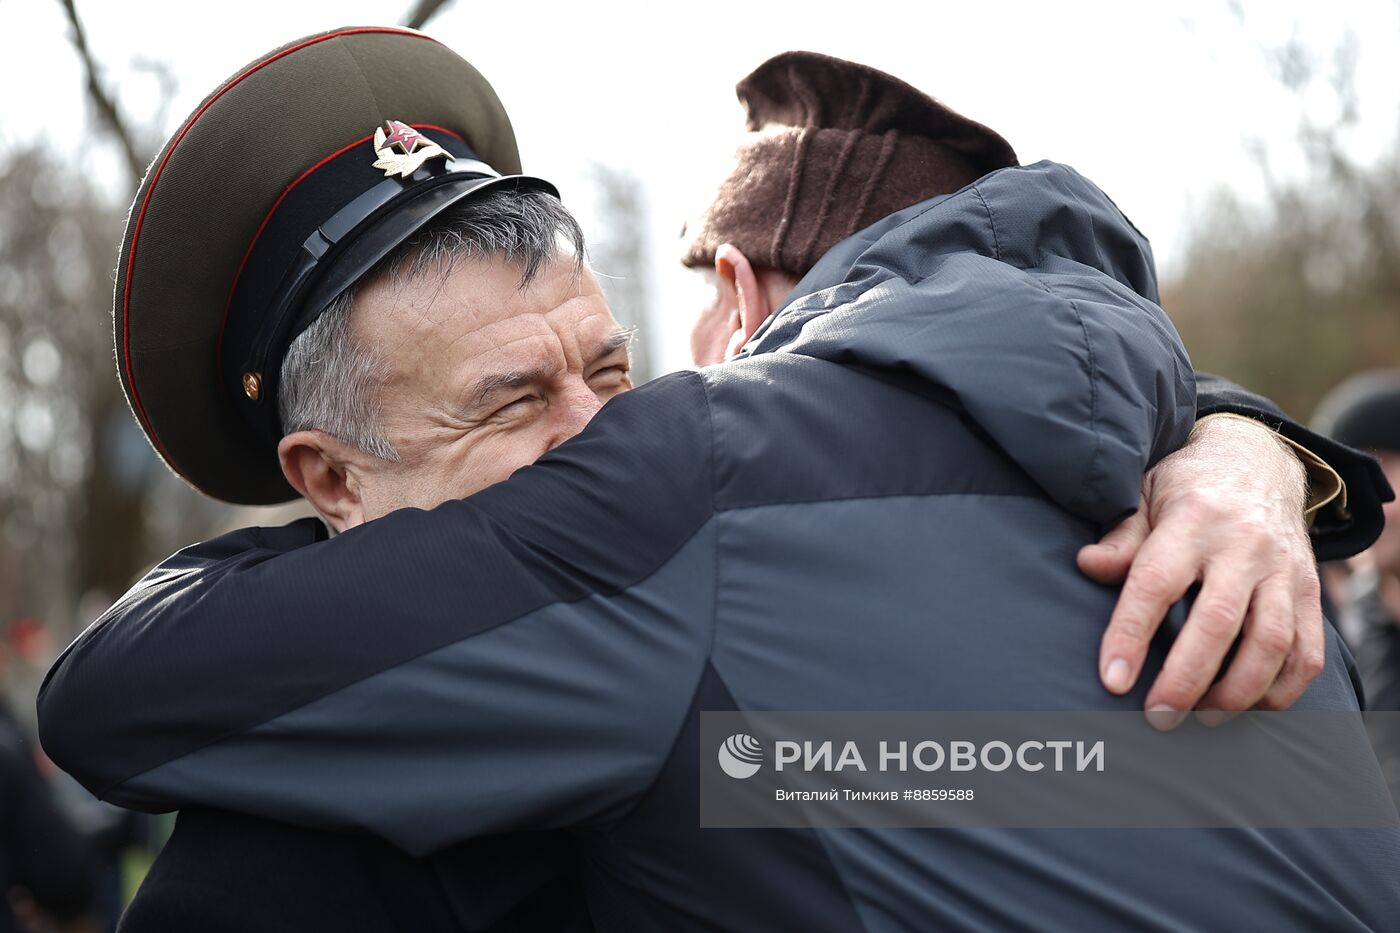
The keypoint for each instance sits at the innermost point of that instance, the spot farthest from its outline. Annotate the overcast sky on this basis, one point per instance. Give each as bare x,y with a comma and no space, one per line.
1156,102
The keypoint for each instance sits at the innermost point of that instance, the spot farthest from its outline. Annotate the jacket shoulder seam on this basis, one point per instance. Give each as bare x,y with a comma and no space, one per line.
1093,374
991,222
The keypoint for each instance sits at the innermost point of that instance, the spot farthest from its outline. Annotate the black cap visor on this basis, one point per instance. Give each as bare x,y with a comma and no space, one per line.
338,254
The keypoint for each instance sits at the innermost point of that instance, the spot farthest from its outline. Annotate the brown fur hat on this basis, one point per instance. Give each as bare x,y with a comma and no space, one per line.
833,146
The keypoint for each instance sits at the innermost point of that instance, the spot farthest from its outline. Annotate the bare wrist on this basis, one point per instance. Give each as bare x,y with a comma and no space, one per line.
1255,450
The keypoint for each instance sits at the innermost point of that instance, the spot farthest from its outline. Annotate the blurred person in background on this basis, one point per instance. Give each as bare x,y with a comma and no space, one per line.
1364,412
49,870
117,839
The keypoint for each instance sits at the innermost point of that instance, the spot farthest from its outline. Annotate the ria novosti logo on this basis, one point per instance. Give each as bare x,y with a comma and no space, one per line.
740,756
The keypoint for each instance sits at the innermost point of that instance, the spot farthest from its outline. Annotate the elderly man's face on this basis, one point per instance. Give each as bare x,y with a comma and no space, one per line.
1385,553
482,378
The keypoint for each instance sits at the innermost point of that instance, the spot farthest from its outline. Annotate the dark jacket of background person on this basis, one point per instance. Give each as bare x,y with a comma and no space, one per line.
877,508
231,873
40,851
1375,638
1374,633
1364,411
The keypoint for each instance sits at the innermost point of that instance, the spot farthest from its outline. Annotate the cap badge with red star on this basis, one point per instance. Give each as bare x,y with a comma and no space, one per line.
402,150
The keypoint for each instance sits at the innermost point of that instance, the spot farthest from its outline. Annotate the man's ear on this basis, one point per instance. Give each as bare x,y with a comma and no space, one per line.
738,281
319,467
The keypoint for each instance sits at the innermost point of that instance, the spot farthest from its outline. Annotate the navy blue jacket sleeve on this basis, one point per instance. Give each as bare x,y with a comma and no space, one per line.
1340,529
440,674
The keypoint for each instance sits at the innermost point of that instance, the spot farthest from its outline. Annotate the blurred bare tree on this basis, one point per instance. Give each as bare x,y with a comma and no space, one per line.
55,373
1290,297
423,10
85,505
618,252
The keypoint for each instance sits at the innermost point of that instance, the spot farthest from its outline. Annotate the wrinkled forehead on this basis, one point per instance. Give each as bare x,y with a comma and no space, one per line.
476,313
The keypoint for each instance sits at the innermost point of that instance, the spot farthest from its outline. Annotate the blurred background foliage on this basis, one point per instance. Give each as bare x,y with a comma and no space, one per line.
1291,296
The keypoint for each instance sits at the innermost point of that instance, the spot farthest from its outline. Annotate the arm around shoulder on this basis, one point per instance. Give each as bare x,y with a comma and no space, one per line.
431,674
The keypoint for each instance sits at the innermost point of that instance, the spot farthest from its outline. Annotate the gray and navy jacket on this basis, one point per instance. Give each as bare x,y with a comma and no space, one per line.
877,507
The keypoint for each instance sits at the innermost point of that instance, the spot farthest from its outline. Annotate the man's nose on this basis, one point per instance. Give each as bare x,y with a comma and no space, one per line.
575,406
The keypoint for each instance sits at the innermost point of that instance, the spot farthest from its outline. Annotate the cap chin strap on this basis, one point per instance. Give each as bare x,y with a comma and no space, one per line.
359,213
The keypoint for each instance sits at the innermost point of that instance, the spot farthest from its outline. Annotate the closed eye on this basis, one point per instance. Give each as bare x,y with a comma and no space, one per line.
610,371
517,406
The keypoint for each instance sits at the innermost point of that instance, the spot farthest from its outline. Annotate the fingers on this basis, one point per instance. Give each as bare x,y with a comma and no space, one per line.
1215,619
1269,636
1309,654
1108,561
1159,577
1243,527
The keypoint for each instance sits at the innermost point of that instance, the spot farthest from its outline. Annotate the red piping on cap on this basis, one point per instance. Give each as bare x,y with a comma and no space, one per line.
141,214
223,322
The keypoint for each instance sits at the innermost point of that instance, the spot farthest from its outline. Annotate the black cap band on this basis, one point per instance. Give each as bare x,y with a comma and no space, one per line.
318,242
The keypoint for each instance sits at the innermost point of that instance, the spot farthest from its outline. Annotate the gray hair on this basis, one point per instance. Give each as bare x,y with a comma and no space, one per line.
330,383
